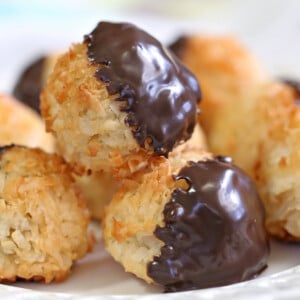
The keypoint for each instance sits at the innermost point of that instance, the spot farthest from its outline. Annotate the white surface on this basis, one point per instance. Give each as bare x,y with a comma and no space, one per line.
271,29
97,276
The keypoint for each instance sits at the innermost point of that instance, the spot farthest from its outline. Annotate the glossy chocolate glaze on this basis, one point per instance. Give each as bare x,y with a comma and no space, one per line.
214,231
159,94
178,46
29,84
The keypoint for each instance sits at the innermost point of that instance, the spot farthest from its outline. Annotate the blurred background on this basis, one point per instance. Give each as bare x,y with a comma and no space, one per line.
270,29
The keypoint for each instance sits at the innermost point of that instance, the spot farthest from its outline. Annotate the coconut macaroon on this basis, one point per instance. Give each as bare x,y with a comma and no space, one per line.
43,218
99,187
253,119
277,171
29,84
226,69
188,225
118,98
232,80
21,125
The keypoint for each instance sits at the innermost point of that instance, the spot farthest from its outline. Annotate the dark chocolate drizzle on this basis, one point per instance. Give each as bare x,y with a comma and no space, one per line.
295,85
214,231
159,94
178,46
29,85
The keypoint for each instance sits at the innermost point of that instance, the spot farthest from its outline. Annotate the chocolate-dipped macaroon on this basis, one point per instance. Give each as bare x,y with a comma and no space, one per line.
252,118
31,81
118,98
188,225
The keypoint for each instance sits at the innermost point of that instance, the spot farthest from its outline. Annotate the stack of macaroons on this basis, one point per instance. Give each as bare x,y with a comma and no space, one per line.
253,118
97,187
122,104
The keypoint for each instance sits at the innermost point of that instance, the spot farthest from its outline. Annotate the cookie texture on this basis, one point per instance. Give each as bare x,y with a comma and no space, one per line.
99,187
21,125
43,217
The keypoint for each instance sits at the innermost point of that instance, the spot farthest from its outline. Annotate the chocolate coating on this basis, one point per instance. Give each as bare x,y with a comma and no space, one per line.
214,231
159,94
29,85
178,46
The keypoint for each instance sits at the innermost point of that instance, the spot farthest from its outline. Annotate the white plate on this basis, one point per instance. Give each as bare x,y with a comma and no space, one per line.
98,276
270,31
